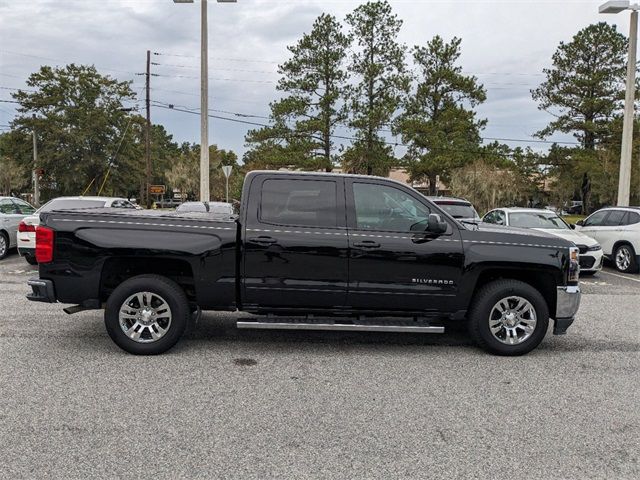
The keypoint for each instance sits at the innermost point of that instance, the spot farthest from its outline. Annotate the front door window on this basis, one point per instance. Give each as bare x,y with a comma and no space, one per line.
380,207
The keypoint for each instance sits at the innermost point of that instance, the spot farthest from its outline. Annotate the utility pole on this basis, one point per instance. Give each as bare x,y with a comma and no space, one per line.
204,105
624,181
36,180
147,130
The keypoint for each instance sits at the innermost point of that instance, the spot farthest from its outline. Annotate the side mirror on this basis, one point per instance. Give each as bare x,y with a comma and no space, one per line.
435,224
580,223
572,226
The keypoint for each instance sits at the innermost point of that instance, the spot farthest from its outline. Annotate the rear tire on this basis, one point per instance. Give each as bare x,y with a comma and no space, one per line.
4,245
508,317
147,314
624,258
31,259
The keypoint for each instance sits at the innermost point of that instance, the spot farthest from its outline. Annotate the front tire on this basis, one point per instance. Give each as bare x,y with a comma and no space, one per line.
147,314
508,317
624,259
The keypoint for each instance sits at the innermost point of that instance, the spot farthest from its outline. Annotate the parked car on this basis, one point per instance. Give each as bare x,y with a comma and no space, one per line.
573,208
617,229
27,227
354,248
458,208
546,221
168,203
12,211
221,209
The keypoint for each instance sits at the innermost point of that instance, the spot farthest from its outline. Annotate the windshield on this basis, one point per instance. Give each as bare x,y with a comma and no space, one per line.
459,210
68,204
537,220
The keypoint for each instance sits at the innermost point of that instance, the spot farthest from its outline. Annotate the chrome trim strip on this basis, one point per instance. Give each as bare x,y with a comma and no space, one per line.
338,326
143,223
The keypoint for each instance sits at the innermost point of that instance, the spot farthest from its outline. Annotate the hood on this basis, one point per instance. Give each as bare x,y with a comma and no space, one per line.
492,232
571,235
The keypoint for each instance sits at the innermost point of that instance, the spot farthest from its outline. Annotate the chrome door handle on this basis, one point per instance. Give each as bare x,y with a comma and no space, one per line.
366,244
263,240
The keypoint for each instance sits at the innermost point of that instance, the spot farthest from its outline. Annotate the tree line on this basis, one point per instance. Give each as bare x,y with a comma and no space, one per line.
346,89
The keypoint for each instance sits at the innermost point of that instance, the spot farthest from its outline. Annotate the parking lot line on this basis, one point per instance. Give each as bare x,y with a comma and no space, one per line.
620,276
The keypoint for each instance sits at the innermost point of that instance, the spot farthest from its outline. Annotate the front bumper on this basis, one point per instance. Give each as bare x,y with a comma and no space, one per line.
567,304
591,261
42,291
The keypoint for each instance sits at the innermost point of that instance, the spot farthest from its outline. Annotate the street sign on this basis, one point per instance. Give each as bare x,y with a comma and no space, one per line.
226,169
157,189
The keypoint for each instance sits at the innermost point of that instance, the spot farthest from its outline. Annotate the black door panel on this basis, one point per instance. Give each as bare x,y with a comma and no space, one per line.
398,270
296,248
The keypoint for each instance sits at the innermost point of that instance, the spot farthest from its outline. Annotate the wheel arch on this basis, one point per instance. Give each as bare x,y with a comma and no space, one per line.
119,269
542,280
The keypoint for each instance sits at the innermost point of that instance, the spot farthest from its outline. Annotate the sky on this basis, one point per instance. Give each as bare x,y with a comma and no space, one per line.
506,44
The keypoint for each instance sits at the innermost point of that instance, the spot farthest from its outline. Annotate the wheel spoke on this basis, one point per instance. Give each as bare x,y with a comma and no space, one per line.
135,322
133,333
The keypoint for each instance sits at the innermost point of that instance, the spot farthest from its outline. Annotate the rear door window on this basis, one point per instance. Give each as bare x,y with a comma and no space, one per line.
615,218
7,207
307,203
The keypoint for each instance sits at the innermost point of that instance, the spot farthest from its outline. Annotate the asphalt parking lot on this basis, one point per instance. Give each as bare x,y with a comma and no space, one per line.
263,404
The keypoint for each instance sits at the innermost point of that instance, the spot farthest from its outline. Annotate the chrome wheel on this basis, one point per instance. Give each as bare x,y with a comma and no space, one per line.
512,320
623,258
3,245
145,317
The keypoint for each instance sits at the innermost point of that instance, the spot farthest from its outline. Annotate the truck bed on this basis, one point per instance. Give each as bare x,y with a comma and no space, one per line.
94,248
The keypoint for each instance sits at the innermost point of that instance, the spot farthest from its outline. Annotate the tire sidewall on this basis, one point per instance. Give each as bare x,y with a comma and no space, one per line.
485,305
161,286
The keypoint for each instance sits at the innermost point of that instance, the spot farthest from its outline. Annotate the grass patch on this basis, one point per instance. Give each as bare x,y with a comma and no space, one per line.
573,218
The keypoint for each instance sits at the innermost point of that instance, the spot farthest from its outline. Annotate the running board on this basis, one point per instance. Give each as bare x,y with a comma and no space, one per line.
340,326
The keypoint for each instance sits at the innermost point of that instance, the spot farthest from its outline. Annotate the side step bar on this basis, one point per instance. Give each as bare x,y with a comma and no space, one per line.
340,326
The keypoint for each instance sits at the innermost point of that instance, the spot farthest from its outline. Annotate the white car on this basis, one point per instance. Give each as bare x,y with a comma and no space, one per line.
27,227
617,229
12,211
222,209
546,221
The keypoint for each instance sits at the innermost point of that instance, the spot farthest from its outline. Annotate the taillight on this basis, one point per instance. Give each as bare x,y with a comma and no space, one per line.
44,244
23,227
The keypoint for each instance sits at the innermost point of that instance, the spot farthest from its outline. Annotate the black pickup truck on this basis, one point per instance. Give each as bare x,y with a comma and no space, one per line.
309,251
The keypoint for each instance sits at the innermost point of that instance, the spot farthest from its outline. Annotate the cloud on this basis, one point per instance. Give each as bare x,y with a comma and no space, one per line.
505,43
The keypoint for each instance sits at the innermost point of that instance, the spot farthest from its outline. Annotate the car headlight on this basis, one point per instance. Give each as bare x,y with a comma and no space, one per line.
574,264
594,248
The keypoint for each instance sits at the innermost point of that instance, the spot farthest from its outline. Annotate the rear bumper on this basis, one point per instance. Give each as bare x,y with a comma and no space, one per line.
568,302
41,291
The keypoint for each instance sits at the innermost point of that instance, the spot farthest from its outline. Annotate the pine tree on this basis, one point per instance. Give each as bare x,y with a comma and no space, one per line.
438,122
378,65
304,120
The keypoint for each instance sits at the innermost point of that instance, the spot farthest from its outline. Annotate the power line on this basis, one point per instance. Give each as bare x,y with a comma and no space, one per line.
225,59
245,115
342,137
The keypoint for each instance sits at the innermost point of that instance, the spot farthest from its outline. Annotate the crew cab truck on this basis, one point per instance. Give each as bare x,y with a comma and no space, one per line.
366,253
